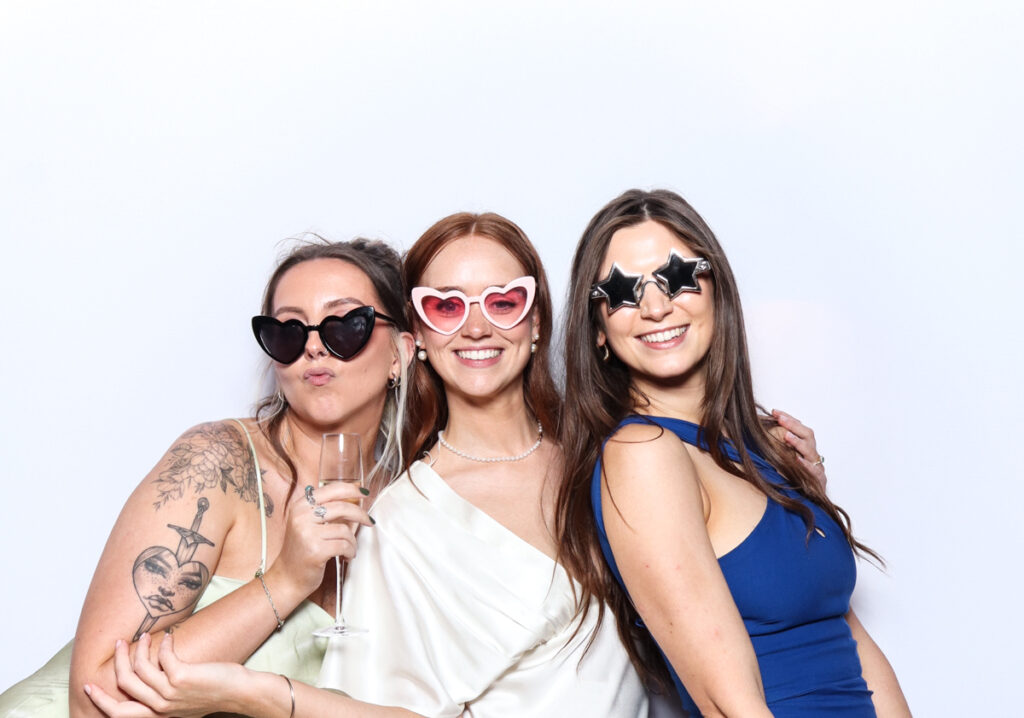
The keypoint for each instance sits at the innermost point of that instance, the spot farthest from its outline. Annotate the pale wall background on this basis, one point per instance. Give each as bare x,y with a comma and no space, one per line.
862,164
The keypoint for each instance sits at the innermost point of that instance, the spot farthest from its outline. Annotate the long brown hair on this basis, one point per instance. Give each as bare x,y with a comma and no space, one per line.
599,394
428,406
382,265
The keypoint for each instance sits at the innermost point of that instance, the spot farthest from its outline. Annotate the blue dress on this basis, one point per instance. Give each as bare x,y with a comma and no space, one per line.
793,595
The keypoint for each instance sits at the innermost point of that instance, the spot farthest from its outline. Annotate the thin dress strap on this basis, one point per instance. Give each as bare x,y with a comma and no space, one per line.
259,492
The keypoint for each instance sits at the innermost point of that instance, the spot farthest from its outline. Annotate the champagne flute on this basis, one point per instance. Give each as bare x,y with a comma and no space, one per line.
340,460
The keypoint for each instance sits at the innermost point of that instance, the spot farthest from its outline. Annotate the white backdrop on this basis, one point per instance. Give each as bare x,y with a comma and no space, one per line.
862,164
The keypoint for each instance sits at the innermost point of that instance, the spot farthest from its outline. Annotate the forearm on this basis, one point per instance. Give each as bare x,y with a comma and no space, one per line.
234,626
266,695
881,679
878,673
229,629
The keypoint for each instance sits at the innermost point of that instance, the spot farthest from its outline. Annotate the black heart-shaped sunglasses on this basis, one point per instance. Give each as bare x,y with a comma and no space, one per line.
344,336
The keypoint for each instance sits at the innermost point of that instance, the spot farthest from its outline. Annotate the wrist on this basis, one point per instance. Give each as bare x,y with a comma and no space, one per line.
265,694
287,594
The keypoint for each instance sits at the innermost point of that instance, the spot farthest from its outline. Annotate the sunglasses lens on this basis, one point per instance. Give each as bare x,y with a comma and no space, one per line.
445,314
507,309
284,342
345,336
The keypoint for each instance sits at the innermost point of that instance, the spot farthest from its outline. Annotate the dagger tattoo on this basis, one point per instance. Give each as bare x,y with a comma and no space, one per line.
169,583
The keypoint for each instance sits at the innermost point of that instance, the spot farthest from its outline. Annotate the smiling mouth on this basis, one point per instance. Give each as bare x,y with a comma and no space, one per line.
477,354
662,336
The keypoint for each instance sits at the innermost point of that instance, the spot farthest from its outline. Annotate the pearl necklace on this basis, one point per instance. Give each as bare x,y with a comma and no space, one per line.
493,459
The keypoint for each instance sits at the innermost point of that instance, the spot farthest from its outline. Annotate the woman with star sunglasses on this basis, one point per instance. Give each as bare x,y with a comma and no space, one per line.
219,542
465,609
727,566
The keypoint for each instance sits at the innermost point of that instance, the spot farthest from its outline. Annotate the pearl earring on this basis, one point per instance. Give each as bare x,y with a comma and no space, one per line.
422,353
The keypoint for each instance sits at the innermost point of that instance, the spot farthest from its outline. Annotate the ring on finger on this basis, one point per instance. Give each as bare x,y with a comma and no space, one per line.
320,511
309,496
820,461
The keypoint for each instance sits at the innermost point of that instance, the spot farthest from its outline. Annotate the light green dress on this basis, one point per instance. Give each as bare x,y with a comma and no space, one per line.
293,650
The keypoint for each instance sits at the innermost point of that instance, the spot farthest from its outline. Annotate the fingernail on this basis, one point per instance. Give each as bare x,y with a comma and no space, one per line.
790,436
88,689
372,520
364,491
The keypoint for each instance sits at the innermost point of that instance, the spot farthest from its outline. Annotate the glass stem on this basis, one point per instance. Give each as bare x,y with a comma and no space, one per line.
339,569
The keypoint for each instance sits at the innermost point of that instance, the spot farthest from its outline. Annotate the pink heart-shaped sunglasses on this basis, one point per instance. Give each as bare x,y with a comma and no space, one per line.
446,312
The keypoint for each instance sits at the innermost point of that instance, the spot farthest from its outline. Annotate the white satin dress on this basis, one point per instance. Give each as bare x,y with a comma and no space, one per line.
464,617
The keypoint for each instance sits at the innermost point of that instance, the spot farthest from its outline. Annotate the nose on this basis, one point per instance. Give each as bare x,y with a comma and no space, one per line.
654,304
476,325
164,591
314,347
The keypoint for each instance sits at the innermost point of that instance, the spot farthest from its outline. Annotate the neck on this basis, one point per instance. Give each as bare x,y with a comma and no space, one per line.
499,426
304,438
679,399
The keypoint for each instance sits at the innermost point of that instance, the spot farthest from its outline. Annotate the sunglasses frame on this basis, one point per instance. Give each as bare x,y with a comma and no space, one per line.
615,296
261,320
527,282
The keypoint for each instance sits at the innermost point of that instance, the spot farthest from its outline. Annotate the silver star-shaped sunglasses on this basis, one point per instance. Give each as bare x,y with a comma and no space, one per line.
678,274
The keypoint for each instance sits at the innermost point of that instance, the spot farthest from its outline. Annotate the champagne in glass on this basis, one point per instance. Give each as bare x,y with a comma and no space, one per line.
340,460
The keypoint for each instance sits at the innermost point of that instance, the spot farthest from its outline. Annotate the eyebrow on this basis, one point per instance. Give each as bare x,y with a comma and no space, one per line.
460,288
329,305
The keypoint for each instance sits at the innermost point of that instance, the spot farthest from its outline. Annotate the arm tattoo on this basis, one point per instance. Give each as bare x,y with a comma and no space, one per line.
206,457
170,582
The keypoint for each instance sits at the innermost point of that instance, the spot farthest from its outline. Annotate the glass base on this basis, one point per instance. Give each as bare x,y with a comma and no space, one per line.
338,630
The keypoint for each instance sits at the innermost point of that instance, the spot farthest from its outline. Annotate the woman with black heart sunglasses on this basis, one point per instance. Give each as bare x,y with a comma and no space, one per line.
220,532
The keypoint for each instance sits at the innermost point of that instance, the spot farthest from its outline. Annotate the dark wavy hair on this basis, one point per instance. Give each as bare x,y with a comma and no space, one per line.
599,394
428,406
383,266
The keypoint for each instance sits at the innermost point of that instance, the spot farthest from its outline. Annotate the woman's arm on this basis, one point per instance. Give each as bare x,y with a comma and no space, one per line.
173,687
169,540
655,519
878,673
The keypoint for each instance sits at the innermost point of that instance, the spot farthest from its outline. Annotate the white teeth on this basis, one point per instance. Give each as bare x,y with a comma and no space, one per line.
668,334
478,354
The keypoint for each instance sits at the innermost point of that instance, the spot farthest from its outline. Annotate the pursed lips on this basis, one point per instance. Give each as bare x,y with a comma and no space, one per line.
318,376
159,602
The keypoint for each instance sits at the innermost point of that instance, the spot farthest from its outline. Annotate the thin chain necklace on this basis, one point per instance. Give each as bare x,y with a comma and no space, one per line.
493,459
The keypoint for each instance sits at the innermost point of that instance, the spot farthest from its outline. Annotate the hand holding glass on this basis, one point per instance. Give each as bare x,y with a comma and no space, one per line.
340,460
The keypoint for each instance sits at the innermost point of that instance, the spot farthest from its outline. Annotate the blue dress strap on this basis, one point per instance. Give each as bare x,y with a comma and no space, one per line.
693,434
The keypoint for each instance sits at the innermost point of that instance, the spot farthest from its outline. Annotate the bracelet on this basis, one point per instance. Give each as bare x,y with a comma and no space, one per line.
291,693
280,623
